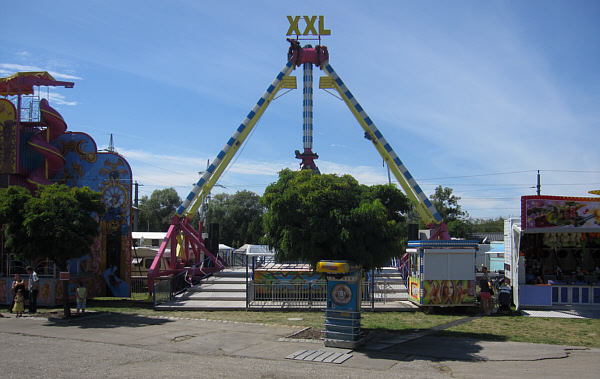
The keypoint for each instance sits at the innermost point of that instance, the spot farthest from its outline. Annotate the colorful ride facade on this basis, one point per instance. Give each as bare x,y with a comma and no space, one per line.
37,149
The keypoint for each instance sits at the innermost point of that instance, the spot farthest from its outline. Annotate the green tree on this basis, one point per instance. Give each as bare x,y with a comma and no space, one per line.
460,228
447,204
239,217
157,210
488,225
56,223
327,217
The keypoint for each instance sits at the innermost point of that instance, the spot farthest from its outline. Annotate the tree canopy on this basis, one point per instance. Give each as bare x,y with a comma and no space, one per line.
447,204
157,210
239,217
328,217
57,222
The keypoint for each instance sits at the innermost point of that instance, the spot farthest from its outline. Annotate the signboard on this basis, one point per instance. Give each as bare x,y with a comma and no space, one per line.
309,26
558,213
64,275
448,292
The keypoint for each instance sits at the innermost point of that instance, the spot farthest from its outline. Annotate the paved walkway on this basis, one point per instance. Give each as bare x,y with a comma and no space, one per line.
580,312
114,345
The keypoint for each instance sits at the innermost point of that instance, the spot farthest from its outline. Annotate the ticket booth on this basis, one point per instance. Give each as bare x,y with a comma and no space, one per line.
344,296
442,273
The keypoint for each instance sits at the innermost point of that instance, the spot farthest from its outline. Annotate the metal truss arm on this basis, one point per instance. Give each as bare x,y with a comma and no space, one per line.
202,188
422,204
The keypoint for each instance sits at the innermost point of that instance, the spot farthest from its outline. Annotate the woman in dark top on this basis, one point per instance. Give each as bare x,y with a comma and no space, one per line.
486,296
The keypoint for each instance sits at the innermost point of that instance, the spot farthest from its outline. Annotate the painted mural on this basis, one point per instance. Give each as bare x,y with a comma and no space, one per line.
414,285
289,281
445,292
557,212
43,152
109,173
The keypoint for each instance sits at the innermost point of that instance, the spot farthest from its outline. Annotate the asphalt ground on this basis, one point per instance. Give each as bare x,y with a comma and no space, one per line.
116,345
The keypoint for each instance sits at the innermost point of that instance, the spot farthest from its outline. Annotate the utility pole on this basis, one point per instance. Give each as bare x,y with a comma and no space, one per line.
539,185
136,210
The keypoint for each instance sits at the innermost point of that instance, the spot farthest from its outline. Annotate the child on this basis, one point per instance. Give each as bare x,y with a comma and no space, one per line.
19,303
81,295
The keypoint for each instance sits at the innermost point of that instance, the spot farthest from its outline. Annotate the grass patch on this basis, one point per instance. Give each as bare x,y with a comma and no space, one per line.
554,331
573,332
404,322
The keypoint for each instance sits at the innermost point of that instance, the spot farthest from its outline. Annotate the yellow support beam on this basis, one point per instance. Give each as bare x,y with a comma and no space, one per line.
191,211
329,82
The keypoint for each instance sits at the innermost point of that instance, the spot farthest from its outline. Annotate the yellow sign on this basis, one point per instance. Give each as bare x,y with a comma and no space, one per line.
310,26
7,111
332,267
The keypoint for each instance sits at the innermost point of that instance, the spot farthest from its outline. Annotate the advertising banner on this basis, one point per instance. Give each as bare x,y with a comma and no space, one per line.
448,292
414,285
556,213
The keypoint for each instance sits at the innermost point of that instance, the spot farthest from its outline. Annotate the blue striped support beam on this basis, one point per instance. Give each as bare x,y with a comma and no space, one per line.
407,176
307,111
234,138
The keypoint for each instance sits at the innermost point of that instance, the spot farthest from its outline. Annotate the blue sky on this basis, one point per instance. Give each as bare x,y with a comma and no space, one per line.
475,96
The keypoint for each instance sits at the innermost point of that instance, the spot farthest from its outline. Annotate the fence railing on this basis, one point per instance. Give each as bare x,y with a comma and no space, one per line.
286,294
139,284
163,291
310,294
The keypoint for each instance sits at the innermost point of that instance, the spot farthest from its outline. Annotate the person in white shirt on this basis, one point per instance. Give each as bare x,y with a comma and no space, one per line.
34,289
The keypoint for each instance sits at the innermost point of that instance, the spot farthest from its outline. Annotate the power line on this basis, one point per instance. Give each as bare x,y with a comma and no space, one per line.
510,173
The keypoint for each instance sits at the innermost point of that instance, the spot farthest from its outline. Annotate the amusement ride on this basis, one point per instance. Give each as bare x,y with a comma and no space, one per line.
185,244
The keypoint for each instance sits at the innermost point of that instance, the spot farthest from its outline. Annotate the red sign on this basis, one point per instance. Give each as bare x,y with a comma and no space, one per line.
64,275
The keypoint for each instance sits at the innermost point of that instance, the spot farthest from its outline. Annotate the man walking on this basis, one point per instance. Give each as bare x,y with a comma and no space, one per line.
34,286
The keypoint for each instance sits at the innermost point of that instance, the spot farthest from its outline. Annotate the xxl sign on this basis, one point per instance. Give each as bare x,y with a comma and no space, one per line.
310,26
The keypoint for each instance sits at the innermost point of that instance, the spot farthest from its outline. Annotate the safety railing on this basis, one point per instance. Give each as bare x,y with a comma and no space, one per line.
309,294
139,284
313,294
162,292
174,285
190,277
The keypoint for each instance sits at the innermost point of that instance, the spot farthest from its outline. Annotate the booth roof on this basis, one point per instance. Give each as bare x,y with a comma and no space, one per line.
148,235
497,249
254,250
9,85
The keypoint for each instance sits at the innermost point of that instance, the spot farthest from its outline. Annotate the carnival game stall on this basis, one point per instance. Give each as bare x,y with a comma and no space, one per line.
554,254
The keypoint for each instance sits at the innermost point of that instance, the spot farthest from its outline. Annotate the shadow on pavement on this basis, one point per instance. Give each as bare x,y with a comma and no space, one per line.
428,345
107,321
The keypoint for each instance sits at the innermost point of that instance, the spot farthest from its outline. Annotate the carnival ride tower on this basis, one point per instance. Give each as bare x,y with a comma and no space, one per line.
185,243
307,156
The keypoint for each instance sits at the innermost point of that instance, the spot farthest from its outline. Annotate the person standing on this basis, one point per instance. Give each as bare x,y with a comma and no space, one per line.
19,303
17,284
34,289
486,295
81,295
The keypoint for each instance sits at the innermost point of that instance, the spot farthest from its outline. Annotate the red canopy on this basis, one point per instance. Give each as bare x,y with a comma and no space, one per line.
25,81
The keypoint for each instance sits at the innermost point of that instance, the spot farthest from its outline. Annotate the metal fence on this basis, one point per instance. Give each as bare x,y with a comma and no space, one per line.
312,294
309,294
163,291
139,284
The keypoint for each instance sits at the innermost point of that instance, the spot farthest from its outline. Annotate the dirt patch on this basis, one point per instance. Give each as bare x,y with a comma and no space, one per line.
316,334
308,334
